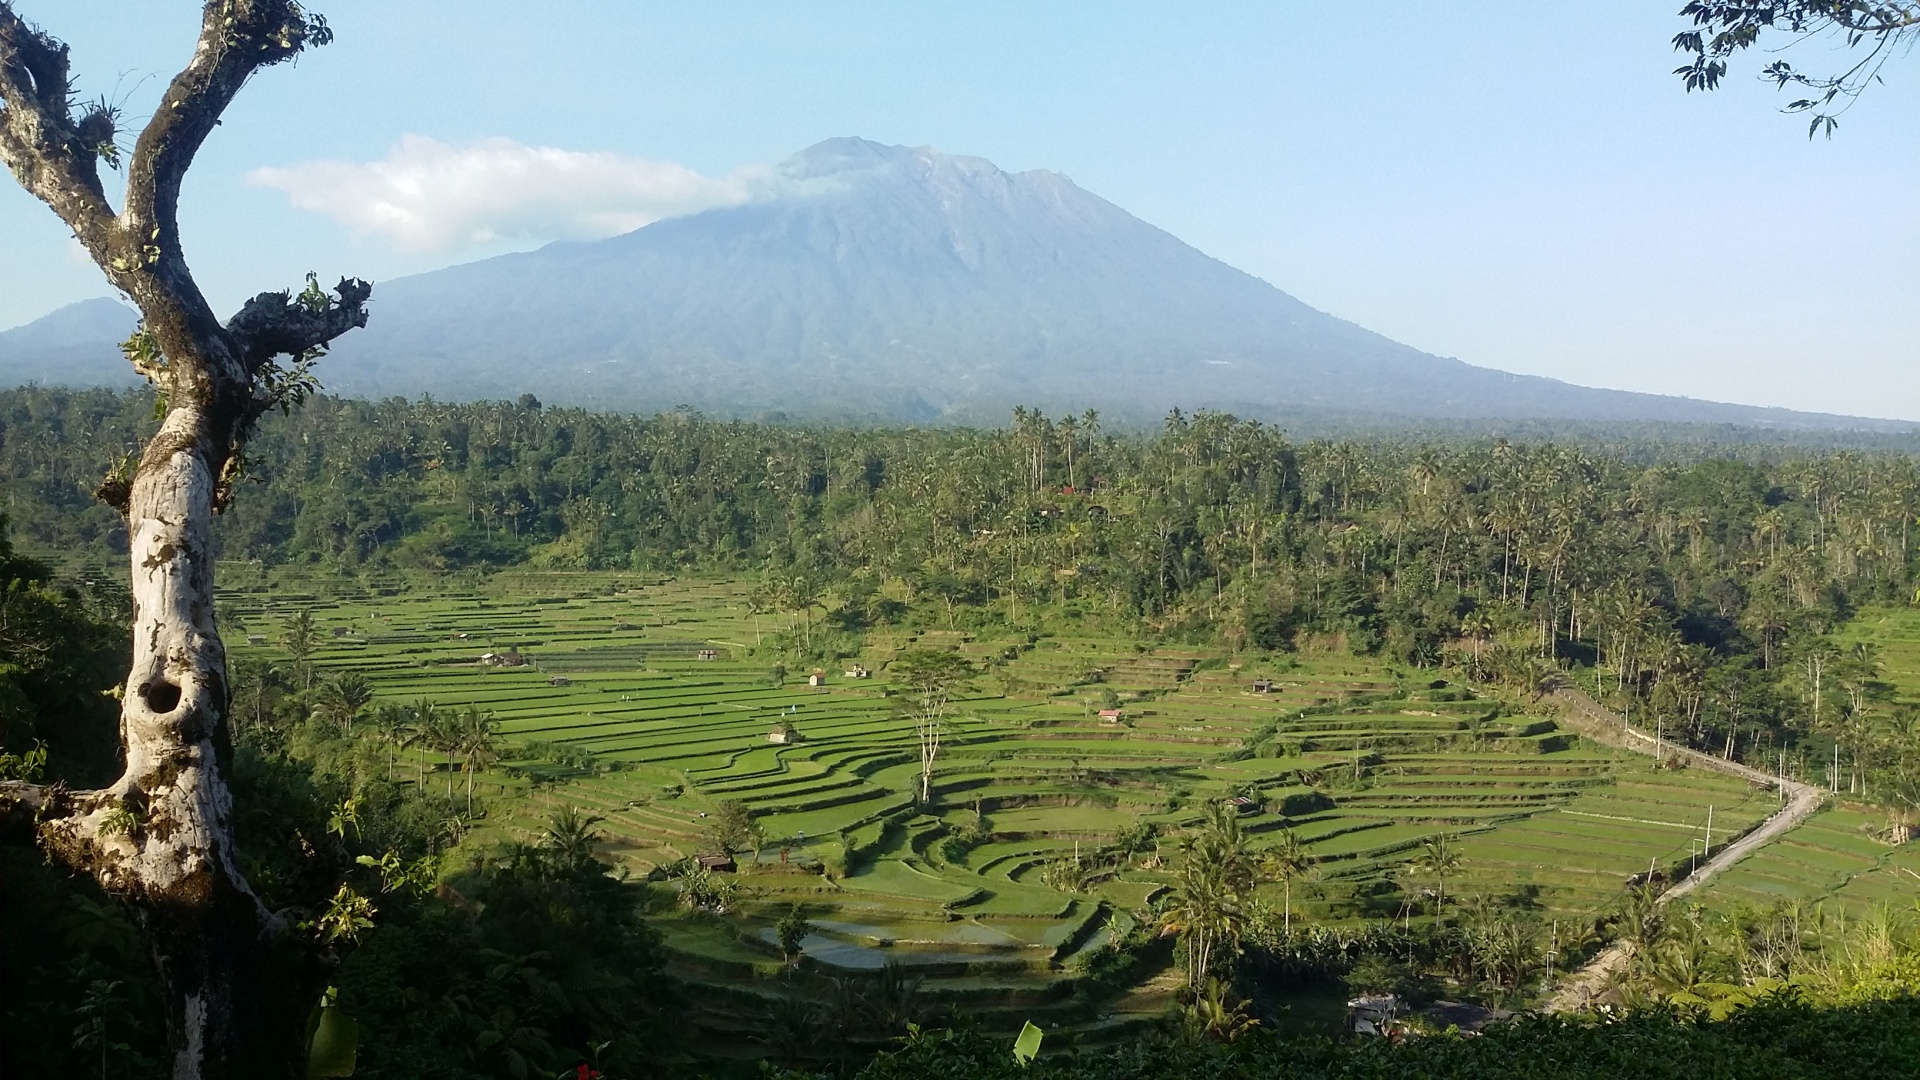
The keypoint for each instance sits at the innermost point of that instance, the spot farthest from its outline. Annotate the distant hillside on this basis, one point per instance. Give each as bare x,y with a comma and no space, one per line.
888,283
77,345
912,284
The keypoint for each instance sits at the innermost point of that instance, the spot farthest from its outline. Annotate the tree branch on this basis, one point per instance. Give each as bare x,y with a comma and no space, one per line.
54,156
237,38
277,323
75,827
22,805
1725,27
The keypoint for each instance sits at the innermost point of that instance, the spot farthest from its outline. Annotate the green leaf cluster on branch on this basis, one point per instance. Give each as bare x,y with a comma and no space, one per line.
1722,28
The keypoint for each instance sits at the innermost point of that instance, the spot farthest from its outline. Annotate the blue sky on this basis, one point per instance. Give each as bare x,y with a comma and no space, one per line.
1521,185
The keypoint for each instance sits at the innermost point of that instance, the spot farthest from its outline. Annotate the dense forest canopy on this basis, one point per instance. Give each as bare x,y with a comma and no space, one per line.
1702,580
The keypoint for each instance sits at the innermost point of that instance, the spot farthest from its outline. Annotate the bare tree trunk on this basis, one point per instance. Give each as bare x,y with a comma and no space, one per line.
929,750
237,983
239,980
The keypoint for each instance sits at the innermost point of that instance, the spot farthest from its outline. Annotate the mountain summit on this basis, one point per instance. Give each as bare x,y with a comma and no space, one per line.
872,281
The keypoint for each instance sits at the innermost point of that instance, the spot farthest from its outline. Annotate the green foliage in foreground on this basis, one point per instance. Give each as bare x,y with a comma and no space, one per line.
512,959
1782,1039
60,648
521,965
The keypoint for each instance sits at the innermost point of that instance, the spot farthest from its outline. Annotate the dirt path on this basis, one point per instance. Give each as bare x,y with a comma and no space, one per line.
1588,717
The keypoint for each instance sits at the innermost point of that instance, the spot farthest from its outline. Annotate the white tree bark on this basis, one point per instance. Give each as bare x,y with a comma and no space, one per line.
238,983
928,725
175,695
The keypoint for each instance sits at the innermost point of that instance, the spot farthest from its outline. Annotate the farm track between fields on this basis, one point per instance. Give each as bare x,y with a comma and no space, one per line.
1581,988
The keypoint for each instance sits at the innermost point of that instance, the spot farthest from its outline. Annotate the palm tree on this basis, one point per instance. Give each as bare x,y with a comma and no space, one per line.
1069,433
1439,859
791,1028
344,697
570,836
1479,627
1206,912
1217,1015
426,721
1216,877
1640,922
301,637
474,743
893,999
252,681
447,736
1287,860
394,722
1678,962
798,594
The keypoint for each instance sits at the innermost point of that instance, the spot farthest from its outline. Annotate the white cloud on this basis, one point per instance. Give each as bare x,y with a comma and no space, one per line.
426,195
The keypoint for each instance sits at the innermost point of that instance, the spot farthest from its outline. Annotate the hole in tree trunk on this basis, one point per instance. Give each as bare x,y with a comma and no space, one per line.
161,696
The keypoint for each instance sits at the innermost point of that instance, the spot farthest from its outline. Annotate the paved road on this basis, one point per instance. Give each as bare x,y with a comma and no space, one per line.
1588,717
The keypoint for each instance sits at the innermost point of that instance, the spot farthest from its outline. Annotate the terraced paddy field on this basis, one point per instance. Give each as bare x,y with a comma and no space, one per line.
1894,632
1834,860
667,684
1838,858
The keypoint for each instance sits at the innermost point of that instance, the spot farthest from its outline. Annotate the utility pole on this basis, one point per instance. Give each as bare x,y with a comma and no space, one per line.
1552,950
1709,829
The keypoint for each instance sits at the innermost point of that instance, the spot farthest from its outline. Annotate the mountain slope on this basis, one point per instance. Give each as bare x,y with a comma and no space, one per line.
888,280
78,345
876,282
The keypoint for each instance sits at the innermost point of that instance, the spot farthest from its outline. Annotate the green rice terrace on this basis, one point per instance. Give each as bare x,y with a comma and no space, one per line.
1839,857
1894,634
647,700
1834,858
